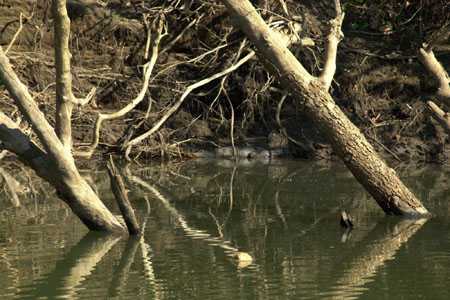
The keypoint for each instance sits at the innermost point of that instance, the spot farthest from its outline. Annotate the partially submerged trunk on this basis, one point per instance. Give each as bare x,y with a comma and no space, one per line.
347,141
55,162
70,186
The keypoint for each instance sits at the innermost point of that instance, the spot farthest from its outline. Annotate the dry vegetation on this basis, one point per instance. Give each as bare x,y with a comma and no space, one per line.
379,83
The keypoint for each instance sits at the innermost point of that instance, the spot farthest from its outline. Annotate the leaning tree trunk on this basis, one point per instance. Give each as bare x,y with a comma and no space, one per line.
347,141
55,164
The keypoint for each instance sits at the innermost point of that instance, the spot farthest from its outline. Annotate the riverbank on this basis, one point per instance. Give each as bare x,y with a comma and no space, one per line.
379,83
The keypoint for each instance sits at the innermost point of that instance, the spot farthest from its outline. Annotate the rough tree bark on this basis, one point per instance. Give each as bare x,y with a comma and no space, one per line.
347,141
54,163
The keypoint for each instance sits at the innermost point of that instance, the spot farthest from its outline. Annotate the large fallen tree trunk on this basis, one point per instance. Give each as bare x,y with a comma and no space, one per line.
347,141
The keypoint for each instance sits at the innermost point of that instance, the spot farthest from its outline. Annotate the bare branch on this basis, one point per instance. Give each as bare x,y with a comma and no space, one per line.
28,107
439,115
64,94
14,140
333,39
433,66
180,35
180,101
148,68
13,40
12,185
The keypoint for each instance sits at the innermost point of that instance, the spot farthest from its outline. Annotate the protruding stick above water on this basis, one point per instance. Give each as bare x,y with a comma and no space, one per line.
120,193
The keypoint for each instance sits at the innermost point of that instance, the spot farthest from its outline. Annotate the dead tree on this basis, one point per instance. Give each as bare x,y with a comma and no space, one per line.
312,94
54,162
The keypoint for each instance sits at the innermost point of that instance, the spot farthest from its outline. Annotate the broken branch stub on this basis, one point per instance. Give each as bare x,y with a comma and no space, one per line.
120,194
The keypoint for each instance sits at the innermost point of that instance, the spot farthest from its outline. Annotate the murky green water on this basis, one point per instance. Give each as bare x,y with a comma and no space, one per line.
198,215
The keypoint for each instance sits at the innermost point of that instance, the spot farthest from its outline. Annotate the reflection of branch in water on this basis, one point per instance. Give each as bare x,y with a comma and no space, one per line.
120,276
76,266
244,258
12,185
146,251
363,268
11,273
233,173
279,211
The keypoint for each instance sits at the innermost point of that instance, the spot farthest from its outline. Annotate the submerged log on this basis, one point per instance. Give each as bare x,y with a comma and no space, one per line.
312,94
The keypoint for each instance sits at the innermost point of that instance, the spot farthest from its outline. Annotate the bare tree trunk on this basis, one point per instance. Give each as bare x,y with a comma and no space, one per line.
55,164
347,141
64,104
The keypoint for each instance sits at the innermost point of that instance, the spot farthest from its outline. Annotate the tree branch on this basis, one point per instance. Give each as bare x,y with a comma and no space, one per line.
120,193
65,100
439,115
333,39
28,107
148,68
180,101
14,140
433,66
13,40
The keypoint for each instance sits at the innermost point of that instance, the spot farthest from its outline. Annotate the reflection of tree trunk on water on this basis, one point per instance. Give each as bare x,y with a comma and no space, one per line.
75,267
12,186
120,276
363,268
122,271
243,258
146,251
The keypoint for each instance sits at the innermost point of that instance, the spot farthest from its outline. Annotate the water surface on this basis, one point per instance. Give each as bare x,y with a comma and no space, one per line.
198,215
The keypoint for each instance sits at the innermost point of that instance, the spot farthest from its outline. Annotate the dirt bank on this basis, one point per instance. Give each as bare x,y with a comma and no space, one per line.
380,84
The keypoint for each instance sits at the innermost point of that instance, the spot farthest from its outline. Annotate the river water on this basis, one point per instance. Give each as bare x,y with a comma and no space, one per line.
199,215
